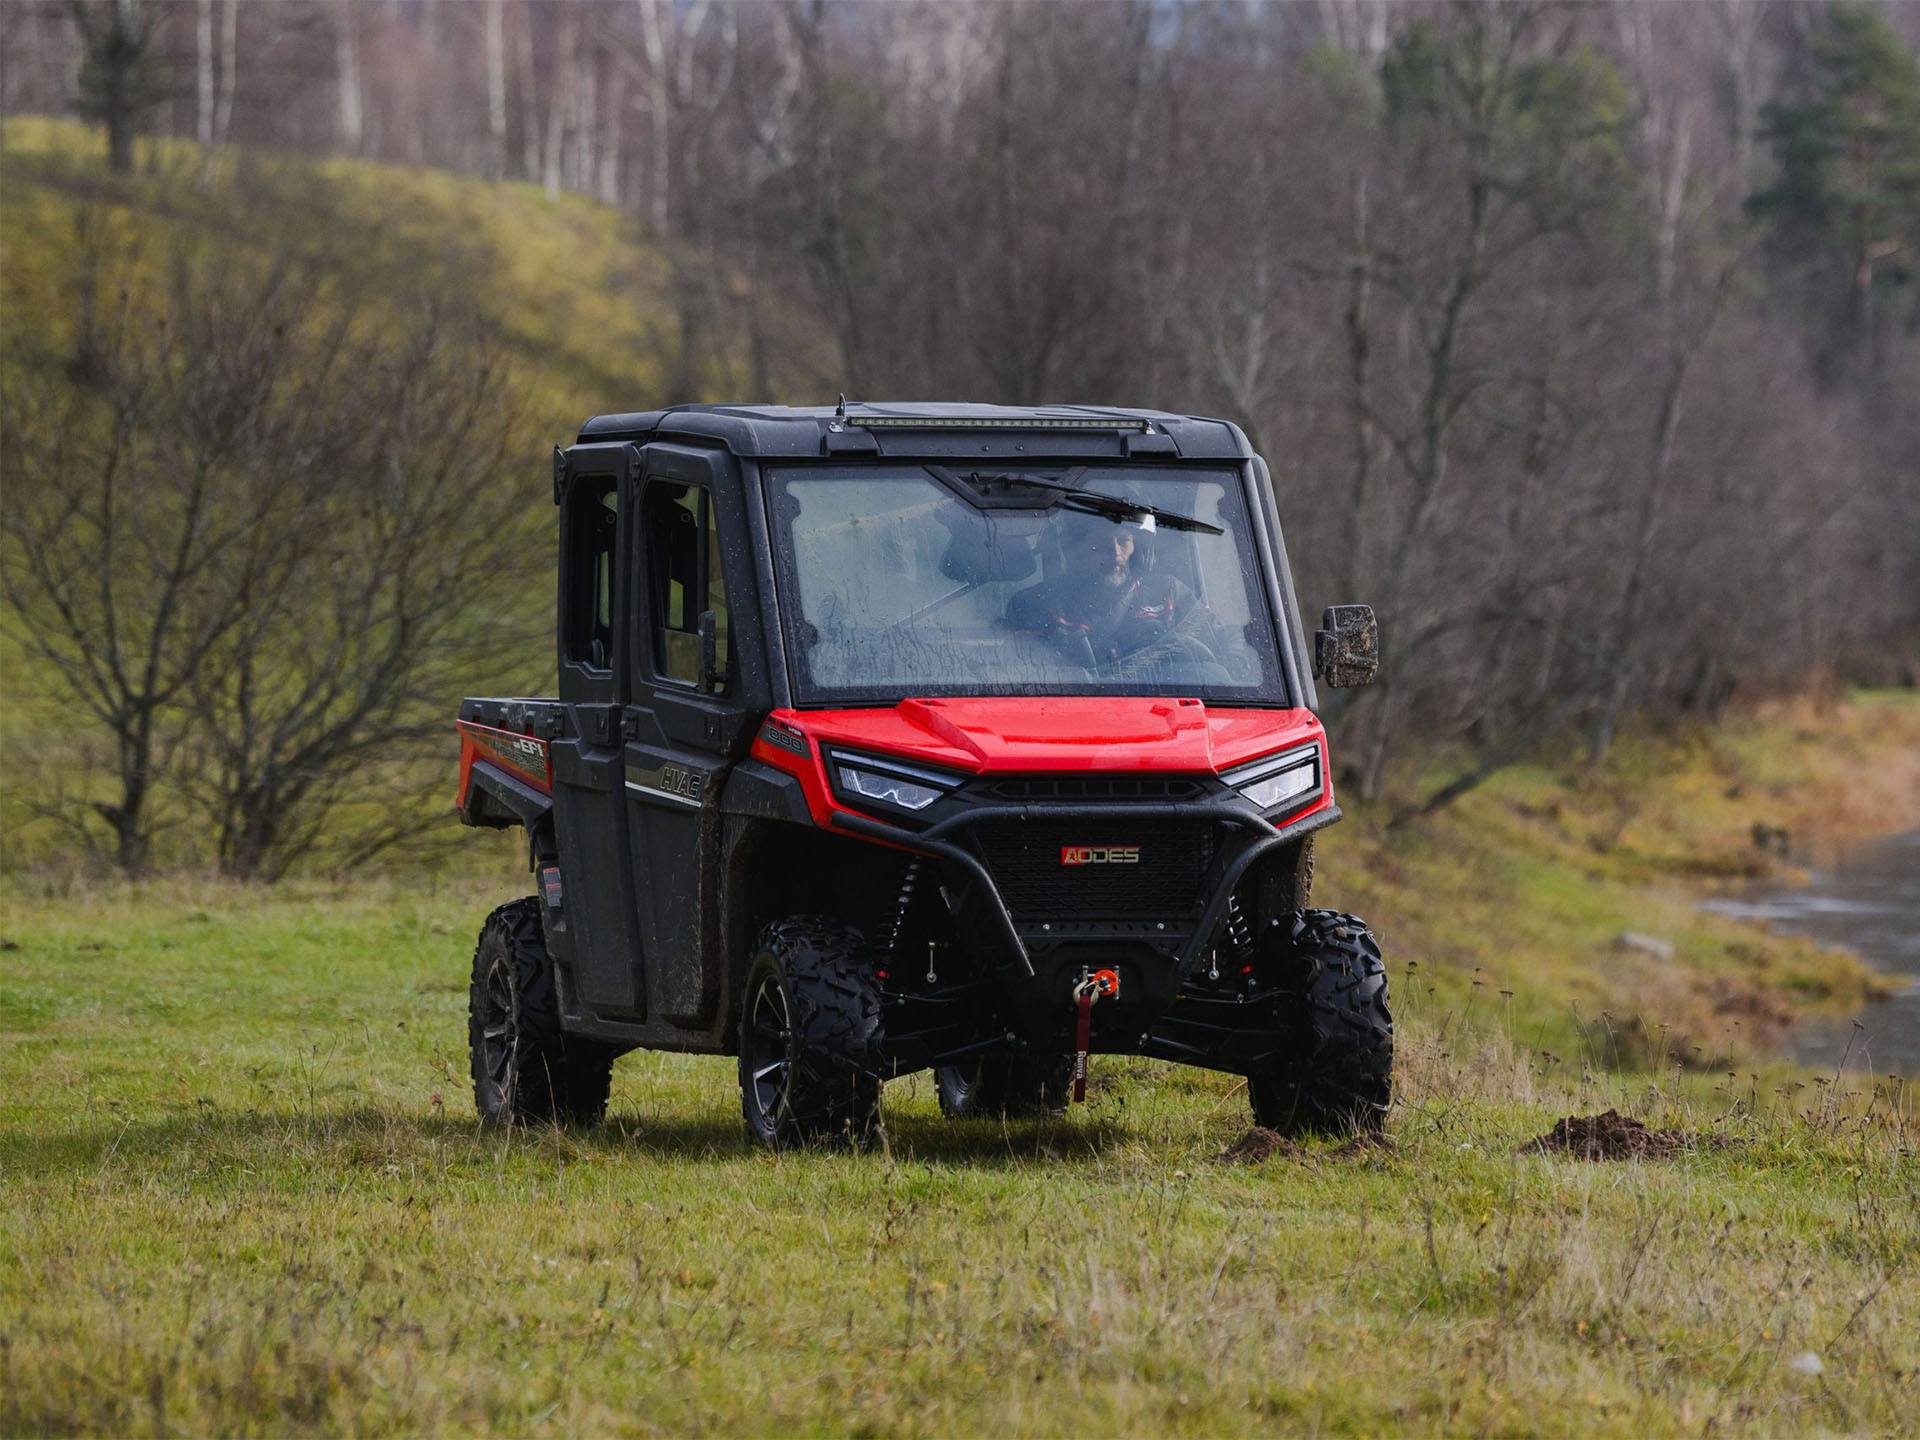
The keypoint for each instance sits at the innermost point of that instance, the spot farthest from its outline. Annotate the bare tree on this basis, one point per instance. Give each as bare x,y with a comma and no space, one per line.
823,189
129,499
346,42
1509,177
229,70
372,608
256,537
203,71
496,44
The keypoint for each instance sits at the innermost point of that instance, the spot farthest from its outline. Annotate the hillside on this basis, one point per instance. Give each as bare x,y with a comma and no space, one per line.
578,292
577,296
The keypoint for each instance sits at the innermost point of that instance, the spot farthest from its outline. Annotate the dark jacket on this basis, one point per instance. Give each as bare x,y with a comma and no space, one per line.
1114,620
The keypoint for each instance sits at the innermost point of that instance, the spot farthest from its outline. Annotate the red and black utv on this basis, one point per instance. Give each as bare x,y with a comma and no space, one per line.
895,737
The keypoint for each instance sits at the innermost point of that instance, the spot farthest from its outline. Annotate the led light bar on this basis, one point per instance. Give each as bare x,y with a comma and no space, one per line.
989,422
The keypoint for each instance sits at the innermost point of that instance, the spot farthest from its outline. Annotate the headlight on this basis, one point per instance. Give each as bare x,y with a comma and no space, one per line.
1275,780
890,788
905,787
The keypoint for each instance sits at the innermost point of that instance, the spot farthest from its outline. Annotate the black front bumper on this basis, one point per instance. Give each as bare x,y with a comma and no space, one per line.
1183,934
1155,928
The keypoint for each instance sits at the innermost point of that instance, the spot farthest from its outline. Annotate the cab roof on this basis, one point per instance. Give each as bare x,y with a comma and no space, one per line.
933,429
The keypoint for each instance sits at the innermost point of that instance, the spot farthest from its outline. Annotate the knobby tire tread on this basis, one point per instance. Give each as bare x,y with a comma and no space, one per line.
1338,1076
555,1078
835,1013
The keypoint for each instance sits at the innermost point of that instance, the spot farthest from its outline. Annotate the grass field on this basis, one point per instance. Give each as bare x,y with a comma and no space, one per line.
241,1190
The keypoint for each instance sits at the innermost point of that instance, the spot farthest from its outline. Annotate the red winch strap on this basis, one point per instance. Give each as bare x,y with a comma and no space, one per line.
1082,1036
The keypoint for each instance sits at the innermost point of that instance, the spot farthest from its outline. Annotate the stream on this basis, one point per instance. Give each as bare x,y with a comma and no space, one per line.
1869,904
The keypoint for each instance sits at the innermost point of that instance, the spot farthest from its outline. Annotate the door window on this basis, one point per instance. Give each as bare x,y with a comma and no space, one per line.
594,521
683,563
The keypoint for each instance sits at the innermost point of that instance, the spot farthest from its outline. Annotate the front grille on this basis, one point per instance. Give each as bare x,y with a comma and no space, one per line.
1060,788
1167,883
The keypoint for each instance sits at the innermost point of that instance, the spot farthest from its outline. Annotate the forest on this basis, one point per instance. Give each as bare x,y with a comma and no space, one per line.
1583,340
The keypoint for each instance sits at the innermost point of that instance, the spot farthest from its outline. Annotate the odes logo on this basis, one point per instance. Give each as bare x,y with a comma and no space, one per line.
1099,854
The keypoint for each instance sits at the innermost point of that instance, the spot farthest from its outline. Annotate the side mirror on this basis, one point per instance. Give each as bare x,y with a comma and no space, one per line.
712,679
1346,649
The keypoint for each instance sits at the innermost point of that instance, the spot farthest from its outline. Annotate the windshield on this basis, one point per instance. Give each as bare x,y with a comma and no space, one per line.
901,580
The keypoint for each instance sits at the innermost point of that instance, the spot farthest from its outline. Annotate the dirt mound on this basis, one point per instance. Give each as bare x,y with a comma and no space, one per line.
1613,1136
1366,1146
1256,1145
1262,1144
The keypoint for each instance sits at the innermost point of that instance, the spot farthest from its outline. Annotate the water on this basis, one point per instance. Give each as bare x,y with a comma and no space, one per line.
1871,905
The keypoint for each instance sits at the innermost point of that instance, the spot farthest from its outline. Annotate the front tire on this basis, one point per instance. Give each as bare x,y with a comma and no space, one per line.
1001,1083
1337,1075
526,1070
810,1036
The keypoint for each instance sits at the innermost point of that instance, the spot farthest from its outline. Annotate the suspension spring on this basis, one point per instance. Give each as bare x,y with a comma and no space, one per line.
896,926
1239,934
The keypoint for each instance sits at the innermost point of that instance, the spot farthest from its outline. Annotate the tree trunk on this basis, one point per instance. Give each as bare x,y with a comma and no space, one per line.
347,74
229,70
119,138
203,73
1740,33
127,817
586,121
808,22
559,83
531,146
1620,637
496,43
607,176
248,832
1350,564
659,116
126,50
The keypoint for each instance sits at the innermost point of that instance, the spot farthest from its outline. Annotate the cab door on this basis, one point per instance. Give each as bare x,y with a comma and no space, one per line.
685,726
594,937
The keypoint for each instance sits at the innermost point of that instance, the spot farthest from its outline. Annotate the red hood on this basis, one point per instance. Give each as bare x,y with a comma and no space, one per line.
1063,733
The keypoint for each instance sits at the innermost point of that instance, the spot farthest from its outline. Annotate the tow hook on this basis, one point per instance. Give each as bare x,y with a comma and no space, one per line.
1090,987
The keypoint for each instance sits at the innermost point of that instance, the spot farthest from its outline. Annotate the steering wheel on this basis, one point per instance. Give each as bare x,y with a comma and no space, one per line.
1168,649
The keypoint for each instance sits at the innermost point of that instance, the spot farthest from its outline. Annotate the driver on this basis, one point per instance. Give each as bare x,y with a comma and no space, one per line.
1106,604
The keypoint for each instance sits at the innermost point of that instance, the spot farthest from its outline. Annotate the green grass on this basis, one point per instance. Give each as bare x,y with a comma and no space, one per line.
241,1191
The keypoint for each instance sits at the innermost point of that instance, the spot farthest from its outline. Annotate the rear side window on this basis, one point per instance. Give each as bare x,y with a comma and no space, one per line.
683,563
593,523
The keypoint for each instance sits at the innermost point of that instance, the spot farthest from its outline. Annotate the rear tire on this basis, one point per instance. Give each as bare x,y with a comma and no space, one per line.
810,1036
1337,1076
526,1070
999,1083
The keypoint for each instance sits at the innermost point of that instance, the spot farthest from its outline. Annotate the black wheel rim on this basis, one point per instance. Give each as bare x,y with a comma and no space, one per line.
769,1050
498,1025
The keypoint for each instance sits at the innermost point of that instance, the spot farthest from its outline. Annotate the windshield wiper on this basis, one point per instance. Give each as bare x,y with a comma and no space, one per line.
1074,497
